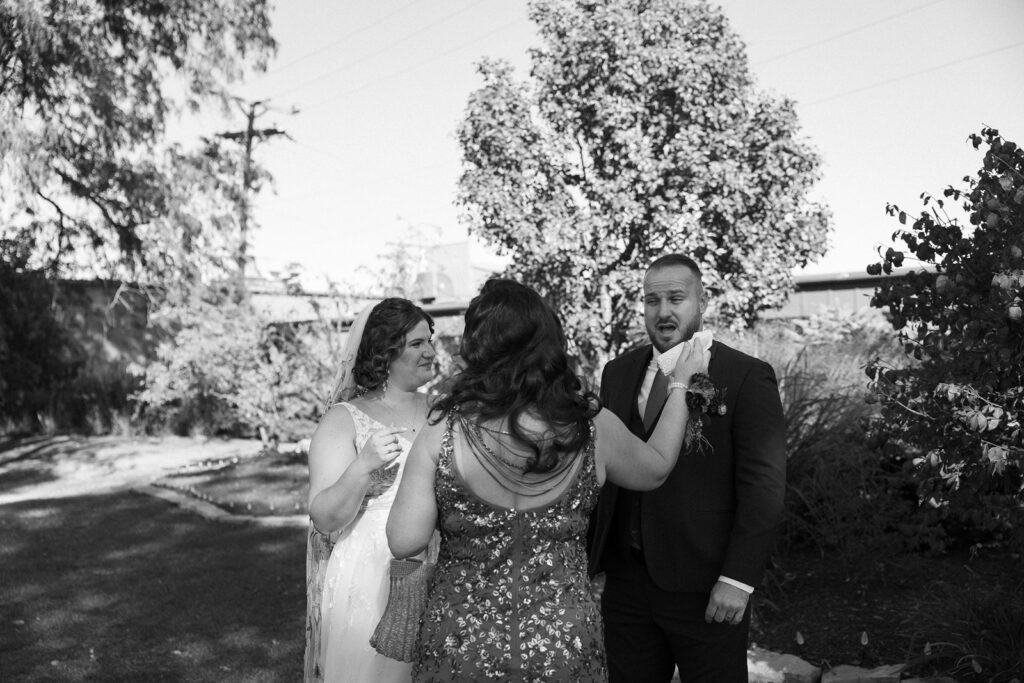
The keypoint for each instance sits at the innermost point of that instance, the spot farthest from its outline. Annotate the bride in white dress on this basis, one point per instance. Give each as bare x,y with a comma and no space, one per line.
356,459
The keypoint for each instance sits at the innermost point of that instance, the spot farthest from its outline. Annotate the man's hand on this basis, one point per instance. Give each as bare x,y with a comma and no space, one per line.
727,604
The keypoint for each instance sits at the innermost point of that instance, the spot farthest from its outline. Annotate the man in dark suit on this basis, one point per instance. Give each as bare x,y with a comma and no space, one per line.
682,561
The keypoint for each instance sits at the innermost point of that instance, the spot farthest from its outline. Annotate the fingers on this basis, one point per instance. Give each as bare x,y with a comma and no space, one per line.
385,444
727,605
692,360
391,448
722,615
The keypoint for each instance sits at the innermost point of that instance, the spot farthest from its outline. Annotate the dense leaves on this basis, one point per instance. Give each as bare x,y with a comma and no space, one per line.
230,369
639,132
64,347
955,410
86,92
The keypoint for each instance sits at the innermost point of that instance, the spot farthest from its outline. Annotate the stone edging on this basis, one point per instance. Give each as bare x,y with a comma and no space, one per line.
216,514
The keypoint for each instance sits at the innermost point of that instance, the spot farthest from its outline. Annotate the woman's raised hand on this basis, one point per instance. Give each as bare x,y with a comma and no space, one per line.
693,359
382,447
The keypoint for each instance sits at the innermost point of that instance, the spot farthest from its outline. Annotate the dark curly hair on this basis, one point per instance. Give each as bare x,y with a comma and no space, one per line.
515,360
384,338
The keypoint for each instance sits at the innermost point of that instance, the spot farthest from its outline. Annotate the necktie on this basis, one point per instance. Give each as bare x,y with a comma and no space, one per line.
655,399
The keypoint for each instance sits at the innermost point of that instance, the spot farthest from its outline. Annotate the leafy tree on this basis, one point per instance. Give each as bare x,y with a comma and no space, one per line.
35,351
954,411
227,368
640,132
86,90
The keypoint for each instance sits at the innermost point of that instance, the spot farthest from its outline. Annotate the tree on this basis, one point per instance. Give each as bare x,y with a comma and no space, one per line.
85,96
953,413
640,132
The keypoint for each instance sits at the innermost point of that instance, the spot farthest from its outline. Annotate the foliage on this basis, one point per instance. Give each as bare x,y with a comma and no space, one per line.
641,132
842,499
227,369
86,91
36,353
976,631
63,351
953,413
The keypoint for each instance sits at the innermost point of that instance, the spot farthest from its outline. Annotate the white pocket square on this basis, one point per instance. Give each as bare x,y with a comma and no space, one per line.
667,360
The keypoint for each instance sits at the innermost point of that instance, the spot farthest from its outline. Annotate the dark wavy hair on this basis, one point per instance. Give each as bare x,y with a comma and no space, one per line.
515,361
384,338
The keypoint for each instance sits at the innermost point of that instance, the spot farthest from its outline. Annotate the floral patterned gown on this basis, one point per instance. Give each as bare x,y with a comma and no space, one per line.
510,599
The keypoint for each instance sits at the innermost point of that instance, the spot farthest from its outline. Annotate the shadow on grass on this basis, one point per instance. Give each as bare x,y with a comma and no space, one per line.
124,587
51,449
31,461
13,479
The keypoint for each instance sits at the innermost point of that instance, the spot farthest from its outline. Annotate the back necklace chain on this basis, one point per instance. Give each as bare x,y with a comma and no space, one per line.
513,475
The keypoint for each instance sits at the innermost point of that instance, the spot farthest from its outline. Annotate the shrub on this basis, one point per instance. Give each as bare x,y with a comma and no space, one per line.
952,415
976,632
842,498
225,370
62,362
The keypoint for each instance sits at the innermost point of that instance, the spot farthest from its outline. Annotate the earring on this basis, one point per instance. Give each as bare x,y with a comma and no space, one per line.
384,386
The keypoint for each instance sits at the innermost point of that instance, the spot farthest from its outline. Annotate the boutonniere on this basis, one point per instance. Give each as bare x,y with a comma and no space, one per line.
704,400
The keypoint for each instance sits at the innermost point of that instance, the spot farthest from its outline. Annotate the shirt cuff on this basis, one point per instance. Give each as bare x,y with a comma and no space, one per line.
738,584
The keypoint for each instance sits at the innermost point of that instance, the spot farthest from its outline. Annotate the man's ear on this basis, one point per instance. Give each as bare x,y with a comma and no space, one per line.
703,301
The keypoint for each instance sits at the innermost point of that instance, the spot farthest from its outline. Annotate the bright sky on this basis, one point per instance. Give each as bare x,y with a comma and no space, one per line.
886,90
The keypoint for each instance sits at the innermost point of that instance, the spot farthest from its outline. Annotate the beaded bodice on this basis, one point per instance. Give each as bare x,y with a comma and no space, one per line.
511,595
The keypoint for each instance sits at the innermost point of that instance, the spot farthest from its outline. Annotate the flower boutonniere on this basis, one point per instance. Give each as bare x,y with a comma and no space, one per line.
704,400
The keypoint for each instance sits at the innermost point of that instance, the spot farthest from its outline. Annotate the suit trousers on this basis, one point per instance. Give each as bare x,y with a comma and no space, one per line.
650,631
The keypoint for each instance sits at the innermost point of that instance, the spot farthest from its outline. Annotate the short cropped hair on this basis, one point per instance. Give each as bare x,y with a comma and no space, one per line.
675,260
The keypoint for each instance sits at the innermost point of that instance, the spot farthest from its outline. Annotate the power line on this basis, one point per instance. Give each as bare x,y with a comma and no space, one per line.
843,34
904,77
339,41
413,67
380,50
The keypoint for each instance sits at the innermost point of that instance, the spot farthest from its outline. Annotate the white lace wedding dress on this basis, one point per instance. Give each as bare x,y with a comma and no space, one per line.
355,580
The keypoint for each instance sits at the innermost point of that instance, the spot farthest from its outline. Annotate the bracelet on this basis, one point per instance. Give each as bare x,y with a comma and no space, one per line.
678,385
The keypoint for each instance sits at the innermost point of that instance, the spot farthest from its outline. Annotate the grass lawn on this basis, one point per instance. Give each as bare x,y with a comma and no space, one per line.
269,484
892,602
120,586
125,587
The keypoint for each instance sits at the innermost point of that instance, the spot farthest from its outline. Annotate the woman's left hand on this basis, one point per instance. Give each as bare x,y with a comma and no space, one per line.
693,359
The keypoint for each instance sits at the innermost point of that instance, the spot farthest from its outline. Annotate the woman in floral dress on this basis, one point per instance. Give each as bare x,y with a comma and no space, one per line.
508,469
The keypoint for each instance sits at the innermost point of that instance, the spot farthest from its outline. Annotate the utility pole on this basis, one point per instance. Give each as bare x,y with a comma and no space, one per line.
247,138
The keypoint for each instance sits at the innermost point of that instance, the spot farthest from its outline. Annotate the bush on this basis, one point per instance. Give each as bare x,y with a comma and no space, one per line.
952,414
977,632
225,370
62,362
842,498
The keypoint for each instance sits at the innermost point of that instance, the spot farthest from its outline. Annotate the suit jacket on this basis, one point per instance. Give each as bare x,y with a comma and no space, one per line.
717,512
